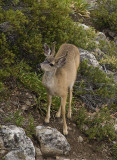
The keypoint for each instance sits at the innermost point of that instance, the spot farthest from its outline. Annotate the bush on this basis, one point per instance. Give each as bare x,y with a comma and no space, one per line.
37,23
103,85
101,127
105,15
109,59
115,151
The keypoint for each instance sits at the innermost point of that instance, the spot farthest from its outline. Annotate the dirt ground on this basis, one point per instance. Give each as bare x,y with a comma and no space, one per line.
19,99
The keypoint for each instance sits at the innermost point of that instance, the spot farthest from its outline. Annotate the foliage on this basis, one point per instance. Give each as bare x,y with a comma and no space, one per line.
109,59
103,85
80,117
18,118
105,15
30,129
15,118
1,87
36,23
81,7
6,54
83,38
99,125
115,150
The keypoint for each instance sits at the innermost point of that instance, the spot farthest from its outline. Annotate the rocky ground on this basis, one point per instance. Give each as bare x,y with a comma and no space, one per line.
81,148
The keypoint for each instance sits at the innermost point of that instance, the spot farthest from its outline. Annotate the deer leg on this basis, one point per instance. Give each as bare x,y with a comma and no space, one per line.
47,119
63,104
70,100
58,114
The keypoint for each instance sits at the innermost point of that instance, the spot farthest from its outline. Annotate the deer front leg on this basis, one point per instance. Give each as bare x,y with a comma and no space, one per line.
63,109
70,100
47,119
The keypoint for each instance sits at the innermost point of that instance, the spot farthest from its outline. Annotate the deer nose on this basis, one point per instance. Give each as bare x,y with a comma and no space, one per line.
38,66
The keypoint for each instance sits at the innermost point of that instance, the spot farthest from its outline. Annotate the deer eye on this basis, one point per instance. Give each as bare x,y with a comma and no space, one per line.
51,64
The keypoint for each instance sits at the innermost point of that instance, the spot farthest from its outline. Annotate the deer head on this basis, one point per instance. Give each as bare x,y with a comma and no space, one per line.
51,63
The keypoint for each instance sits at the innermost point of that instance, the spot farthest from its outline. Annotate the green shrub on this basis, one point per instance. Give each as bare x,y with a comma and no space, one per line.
80,117
99,124
103,85
114,148
109,59
105,15
6,54
39,22
81,7
101,127
30,129
1,87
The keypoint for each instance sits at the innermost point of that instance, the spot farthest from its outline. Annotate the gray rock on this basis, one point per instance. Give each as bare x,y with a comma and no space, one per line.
92,4
84,26
38,154
85,127
80,139
28,103
100,36
17,143
86,55
52,142
115,127
5,27
38,151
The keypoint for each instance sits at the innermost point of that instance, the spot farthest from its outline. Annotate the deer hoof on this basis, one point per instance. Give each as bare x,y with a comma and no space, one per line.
69,115
65,132
58,115
46,121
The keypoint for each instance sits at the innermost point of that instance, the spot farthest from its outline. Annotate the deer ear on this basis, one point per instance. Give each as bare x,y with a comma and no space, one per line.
60,62
47,50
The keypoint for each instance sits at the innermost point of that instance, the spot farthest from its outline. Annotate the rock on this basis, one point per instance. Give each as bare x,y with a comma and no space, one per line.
1,111
5,27
20,146
92,4
85,127
115,127
86,55
25,107
100,36
38,151
38,154
28,103
2,149
84,26
80,139
52,142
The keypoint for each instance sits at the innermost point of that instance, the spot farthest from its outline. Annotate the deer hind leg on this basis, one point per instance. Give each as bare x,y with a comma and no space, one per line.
47,119
63,109
58,114
70,100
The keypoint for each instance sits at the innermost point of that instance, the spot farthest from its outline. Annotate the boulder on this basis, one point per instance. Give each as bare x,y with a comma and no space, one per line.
17,144
86,55
52,142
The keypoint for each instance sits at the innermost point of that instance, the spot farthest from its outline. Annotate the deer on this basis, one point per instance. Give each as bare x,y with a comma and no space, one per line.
60,73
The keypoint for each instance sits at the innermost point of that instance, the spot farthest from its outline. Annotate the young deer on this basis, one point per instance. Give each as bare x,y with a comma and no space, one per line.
59,77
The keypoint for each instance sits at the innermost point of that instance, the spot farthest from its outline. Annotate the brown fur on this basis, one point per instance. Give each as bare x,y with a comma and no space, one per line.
59,78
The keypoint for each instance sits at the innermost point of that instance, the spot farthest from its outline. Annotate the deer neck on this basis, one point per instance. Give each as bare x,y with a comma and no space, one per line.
48,78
